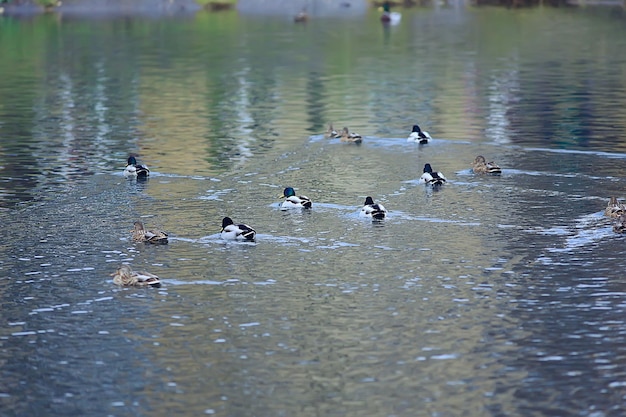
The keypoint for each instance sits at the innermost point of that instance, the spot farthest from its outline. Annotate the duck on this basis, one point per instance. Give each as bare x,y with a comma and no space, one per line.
620,224
389,17
374,210
133,169
294,201
301,17
126,277
481,166
140,234
419,136
614,208
232,231
331,133
352,137
431,177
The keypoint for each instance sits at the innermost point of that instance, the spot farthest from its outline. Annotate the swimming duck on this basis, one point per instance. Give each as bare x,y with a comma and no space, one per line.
373,210
389,17
352,137
419,136
301,17
431,177
480,166
614,209
620,224
133,169
148,236
233,231
126,277
294,201
331,133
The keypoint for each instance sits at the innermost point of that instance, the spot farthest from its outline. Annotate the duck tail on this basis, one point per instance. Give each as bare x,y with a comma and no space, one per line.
249,235
378,213
142,172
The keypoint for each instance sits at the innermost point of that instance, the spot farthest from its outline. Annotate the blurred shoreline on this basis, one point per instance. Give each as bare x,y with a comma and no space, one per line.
313,8
156,8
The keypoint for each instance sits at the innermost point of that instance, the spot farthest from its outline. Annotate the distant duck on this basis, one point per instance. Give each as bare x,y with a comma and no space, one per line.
148,236
389,17
231,231
126,277
301,17
294,201
431,177
614,209
331,133
351,137
133,169
620,224
481,166
374,210
419,136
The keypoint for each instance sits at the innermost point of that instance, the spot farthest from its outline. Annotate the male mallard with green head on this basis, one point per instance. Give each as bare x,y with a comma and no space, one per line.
294,201
389,17
431,177
232,231
373,210
417,135
134,169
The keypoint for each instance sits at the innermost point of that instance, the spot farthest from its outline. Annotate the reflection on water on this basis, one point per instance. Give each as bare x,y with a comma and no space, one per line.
490,296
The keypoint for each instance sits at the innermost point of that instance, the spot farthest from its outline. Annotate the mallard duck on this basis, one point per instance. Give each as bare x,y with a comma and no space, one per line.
481,166
388,16
373,210
301,17
331,133
294,201
619,226
148,236
431,177
614,209
352,137
231,231
133,169
126,277
419,136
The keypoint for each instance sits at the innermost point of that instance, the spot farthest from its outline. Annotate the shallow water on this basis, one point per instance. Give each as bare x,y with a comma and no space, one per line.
490,296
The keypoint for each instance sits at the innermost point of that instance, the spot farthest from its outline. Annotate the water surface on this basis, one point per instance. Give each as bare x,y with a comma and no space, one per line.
491,296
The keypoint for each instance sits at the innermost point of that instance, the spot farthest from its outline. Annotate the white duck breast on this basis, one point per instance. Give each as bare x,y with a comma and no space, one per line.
231,231
419,136
295,201
373,210
431,177
133,169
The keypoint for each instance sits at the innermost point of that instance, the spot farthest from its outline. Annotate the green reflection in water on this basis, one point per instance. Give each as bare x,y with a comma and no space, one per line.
436,309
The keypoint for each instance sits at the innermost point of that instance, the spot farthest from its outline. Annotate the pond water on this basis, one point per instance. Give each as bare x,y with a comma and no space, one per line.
492,296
